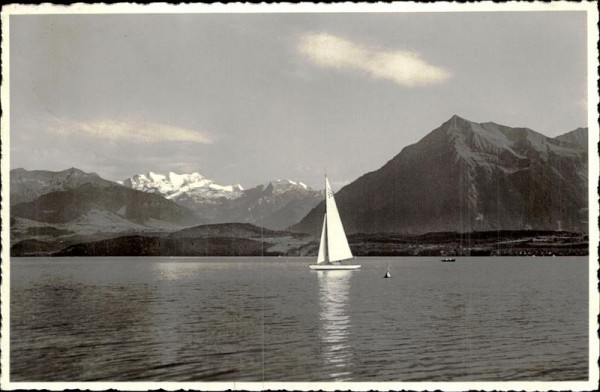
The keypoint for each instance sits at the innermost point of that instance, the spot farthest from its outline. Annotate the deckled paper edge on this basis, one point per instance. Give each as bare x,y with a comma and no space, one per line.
594,132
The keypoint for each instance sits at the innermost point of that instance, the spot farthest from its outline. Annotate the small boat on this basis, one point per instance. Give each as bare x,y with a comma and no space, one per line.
448,260
387,274
334,246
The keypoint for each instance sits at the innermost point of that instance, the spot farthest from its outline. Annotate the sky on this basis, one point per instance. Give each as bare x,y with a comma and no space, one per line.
249,98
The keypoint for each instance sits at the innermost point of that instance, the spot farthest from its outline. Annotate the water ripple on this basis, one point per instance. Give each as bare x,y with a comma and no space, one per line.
242,320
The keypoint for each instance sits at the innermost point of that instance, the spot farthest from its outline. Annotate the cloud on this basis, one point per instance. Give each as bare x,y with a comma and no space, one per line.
131,131
404,68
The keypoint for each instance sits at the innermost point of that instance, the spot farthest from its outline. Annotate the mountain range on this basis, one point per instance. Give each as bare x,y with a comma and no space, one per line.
78,205
73,205
274,205
466,176
461,177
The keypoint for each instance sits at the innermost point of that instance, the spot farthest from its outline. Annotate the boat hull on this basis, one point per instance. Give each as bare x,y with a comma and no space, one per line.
326,267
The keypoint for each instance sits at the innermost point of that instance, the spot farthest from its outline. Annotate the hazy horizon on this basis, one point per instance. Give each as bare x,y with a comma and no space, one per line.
249,98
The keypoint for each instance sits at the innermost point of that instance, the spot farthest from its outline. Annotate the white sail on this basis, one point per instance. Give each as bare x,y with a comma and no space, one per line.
323,246
337,244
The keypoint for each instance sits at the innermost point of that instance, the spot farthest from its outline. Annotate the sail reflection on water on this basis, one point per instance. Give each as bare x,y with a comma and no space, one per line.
334,287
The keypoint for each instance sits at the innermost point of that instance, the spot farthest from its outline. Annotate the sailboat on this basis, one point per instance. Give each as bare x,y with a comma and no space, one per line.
334,246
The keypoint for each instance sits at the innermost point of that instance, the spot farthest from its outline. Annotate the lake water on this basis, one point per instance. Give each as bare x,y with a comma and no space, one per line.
273,319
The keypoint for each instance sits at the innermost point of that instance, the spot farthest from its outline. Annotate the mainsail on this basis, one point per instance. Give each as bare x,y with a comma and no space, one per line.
333,238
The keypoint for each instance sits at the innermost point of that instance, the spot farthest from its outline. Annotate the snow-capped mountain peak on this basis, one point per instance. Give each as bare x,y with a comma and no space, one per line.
284,185
175,185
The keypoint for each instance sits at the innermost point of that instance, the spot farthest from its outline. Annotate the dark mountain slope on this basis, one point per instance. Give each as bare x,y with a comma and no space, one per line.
132,205
465,176
27,185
